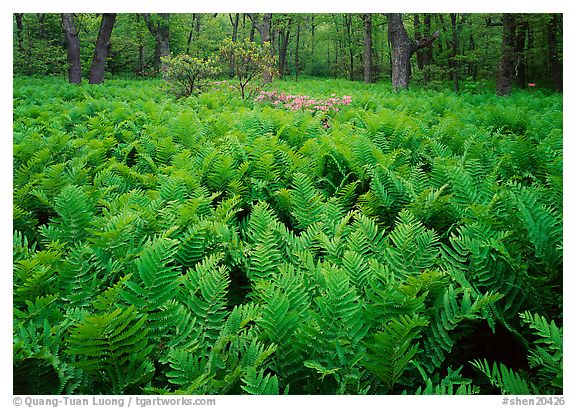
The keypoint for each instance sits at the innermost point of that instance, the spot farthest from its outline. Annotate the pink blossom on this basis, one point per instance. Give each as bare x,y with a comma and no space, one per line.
531,84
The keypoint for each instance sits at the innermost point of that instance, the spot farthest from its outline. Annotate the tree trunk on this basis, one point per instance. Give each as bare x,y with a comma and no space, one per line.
454,54
283,48
418,37
265,34
426,52
313,31
297,61
348,24
252,30
20,28
72,47
520,41
368,48
161,33
265,31
472,65
98,67
506,73
234,21
402,49
555,65
191,33
42,31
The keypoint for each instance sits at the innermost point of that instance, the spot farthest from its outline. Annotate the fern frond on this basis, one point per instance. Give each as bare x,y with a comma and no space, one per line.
116,343
307,203
505,379
256,383
391,350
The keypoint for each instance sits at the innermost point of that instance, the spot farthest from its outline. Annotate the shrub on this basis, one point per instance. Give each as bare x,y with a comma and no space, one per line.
187,75
248,61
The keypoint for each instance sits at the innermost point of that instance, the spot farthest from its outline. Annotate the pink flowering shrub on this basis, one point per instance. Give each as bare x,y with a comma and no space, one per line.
303,102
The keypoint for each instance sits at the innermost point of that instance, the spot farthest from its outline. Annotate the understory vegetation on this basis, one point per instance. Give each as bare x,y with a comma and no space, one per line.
404,243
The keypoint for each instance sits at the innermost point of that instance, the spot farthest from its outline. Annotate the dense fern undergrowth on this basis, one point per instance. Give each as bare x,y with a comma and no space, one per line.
410,243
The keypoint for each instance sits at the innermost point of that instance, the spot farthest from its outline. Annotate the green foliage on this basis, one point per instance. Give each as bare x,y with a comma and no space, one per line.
187,75
213,246
116,344
249,61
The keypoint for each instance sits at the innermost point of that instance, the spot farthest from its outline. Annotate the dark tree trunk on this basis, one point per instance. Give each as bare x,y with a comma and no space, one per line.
43,32
98,67
234,21
427,51
313,31
265,34
348,24
368,48
418,37
296,59
161,33
402,49
506,73
266,25
20,28
253,30
191,33
141,57
72,47
520,41
472,65
454,53
283,48
554,60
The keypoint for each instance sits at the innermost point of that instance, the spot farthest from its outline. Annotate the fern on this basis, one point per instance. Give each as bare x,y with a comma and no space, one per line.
115,343
448,313
391,350
547,352
307,204
256,383
206,291
506,380
75,213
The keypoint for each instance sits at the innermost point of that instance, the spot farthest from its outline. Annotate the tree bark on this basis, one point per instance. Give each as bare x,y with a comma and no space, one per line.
72,47
284,40
555,65
98,67
161,33
296,61
20,28
520,45
313,31
454,54
427,51
402,49
348,24
265,30
472,65
234,21
252,30
191,33
265,35
418,36
42,31
368,78
506,73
